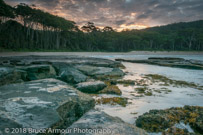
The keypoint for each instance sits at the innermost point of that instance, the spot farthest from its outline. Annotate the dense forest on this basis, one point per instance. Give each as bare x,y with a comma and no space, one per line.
25,27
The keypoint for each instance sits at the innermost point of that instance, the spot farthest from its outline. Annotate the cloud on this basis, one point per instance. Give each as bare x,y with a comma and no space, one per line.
122,13
142,16
120,22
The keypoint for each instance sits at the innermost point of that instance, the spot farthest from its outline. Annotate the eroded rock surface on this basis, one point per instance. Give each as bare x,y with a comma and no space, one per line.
105,125
41,104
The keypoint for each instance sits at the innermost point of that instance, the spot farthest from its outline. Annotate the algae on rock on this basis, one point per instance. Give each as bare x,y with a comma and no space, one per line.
113,101
160,120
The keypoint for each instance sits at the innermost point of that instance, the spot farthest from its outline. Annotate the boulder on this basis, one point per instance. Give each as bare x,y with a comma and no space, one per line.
91,86
46,103
96,122
68,73
71,75
11,75
36,72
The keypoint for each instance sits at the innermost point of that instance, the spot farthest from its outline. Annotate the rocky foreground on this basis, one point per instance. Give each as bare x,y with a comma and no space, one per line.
47,92
169,62
53,95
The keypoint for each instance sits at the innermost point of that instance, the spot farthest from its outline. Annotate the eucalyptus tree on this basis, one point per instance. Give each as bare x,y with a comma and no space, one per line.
6,11
27,27
46,27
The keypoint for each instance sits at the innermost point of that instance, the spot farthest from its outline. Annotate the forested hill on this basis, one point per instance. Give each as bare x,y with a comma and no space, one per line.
27,28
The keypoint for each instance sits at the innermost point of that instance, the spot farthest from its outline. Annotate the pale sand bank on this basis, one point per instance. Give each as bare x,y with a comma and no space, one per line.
102,53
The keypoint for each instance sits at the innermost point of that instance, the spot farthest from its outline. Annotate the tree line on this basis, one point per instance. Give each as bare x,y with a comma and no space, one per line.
25,27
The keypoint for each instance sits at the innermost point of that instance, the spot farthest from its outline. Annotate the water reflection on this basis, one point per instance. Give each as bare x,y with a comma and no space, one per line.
178,97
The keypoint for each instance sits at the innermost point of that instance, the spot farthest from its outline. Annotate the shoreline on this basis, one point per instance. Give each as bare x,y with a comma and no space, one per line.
103,53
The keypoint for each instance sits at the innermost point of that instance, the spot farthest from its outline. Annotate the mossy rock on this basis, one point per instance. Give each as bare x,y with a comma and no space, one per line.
176,131
154,123
156,78
141,90
112,89
160,120
126,82
142,82
148,94
113,101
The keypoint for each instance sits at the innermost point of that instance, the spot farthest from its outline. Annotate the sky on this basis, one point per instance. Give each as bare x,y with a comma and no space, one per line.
121,14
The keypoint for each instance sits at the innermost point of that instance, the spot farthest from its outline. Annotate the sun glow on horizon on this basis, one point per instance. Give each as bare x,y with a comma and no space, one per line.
132,26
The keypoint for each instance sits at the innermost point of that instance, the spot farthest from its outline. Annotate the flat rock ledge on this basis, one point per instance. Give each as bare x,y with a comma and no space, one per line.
70,69
73,60
96,122
169,62
40,104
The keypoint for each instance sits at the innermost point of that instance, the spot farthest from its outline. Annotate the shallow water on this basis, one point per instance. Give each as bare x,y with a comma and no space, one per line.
138,56
179,96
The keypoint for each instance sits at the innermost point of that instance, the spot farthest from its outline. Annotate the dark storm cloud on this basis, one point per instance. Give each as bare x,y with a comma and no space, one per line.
122,13
142,16
49,4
